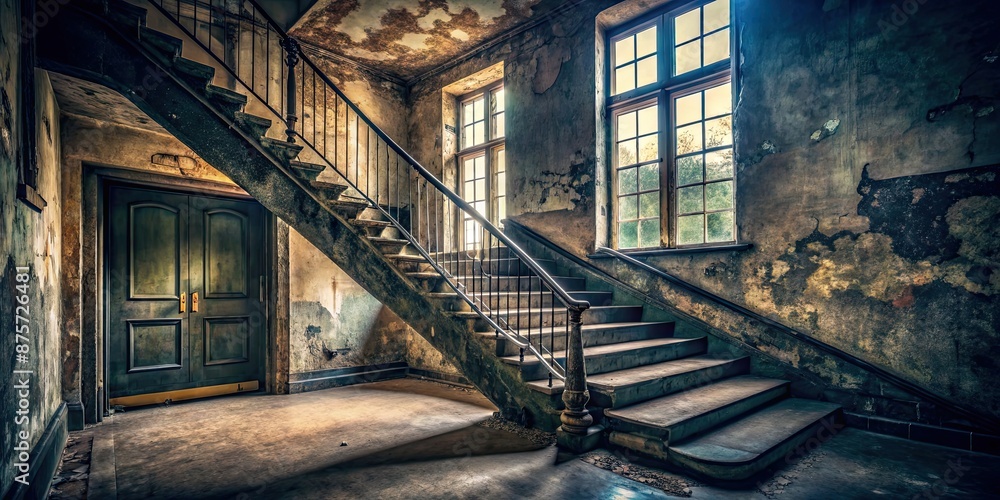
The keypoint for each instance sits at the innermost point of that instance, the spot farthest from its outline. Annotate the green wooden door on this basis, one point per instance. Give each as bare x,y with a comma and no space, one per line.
163,247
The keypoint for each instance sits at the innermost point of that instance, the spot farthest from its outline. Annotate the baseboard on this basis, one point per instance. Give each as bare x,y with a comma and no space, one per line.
75,416
446,378
327,379
45,458
930,434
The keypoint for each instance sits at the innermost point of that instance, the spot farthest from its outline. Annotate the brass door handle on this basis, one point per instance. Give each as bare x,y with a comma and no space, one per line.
184,299
194,302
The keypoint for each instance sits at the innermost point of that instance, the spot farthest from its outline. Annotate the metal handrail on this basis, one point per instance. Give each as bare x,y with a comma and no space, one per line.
492,234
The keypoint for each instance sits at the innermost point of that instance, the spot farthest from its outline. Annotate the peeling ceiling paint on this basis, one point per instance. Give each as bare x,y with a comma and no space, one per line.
82,98
405,38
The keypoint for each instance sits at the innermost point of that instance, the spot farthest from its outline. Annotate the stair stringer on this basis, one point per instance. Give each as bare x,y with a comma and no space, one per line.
79,44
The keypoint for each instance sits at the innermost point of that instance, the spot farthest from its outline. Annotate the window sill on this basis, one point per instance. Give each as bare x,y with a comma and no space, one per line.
664,252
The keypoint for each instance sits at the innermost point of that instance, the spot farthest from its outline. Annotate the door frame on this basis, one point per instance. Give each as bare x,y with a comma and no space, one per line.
96,180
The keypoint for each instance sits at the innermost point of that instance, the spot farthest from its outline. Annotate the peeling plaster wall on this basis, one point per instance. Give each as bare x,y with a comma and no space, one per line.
335,323
867,178
29,239
550,93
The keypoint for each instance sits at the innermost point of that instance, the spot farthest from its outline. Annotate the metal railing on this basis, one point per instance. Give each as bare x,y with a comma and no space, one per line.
507,289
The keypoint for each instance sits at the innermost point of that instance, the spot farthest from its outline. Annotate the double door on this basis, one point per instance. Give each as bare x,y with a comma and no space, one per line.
184,291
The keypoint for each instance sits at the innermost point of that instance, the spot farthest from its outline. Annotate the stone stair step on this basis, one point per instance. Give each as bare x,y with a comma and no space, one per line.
635,385
504,300
748,445
329,190
374,227
126,14
285,151
556,316
346,208
168,47
613,357
602,334
513,283
677,416
229,100
388,245
498,267
200,75
254,125
307,171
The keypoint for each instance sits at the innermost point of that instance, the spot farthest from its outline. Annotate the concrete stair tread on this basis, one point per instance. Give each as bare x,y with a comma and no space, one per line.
371,223
666,411
416,258
603,350
257,120
195,69
225,94
557,310
637,375
380,239
605,326
171,45
749,438
496,277
329,189
425,275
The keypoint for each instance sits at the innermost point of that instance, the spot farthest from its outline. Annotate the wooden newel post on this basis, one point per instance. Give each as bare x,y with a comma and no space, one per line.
291,59
575,418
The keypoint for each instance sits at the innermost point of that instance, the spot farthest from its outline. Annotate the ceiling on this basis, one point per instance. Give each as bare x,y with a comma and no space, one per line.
82,98
405,38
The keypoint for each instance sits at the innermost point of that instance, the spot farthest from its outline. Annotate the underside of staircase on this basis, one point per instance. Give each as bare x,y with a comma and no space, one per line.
650,391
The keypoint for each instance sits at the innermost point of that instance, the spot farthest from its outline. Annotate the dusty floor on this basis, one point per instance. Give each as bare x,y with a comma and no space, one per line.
416,439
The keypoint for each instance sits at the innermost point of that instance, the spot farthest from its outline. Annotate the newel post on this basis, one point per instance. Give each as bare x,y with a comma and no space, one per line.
577,432
291,59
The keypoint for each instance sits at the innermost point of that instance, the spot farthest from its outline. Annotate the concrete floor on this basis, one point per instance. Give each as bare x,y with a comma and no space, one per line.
413,439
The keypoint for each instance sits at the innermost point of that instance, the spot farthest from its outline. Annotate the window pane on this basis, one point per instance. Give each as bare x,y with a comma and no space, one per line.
649,205
716,15
719,100
480,166
501,168
625,79
480,188
717,47
719,195
689,139
689,170
467,113
721,227
690,229
479,133
628,236
628,208
467,136
719,165
499,128
480,207
689,200
688,108
687,57
627,181
470,172
624,51
719,132
649,233
649,148
626,126
648,120
649,177
687,26
478,112
645,42
627,153
647,72
498,104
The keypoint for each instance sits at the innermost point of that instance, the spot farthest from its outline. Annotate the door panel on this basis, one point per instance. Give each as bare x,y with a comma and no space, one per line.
162,247
147,272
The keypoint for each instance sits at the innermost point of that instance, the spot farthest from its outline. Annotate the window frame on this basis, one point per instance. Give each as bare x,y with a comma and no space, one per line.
662,92
488,149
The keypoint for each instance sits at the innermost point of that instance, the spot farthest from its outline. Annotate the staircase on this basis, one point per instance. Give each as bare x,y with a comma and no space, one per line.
529,335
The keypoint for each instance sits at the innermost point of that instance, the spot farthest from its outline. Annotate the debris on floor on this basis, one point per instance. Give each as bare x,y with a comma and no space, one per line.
534,435
776,484
668,483
71,477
